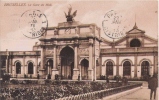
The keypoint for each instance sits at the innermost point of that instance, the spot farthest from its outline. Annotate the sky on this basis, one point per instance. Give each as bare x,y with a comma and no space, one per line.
144,13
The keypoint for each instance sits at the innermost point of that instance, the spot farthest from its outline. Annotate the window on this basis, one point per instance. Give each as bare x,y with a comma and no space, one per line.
145,68
18,68
30,68
126,68
109,68
135,43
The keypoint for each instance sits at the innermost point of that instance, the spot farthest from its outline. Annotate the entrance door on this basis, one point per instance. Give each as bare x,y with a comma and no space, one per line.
67,65
145,68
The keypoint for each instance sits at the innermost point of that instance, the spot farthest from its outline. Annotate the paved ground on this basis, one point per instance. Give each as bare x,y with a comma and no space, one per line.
140,94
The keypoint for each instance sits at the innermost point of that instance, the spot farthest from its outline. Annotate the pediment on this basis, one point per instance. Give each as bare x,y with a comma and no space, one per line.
148,39
135,31
121,41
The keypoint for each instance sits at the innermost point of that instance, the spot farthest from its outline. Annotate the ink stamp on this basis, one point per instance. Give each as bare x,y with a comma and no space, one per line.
113,25
33,23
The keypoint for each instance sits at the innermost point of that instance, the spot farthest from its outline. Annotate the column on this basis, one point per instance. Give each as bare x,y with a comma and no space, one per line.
35,66
54,57
79,66
7,65
75,58
7,54
23,67
75,70
138,71
90,73
14,71
48,69
41,71
54,70
132,71
151,70
120,68
135,66
10,64
114,70
155,63
42,58
117,65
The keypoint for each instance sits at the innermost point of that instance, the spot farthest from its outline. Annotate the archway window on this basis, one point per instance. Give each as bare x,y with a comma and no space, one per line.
84,68
18,68
50,63
145,68
135,43
30,68
109,68
126,68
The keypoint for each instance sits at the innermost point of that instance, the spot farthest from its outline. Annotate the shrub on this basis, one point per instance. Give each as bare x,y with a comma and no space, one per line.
102,77
14,81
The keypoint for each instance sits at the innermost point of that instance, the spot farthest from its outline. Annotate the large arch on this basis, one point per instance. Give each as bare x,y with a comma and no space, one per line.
67,59
61,49
104,63
84,68
127,60
144,59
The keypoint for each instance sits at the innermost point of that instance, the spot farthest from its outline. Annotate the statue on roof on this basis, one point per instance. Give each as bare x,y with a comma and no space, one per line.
70,16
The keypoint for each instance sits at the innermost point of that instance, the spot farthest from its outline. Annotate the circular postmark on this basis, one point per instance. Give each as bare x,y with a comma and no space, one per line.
114,25
33,23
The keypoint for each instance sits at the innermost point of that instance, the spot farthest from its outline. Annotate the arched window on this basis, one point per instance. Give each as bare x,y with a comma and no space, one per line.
109,68
84,68
126,68
135,43
30,68
18,68
145,68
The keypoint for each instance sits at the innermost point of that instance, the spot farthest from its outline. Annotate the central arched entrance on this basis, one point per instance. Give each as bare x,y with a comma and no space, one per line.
67,63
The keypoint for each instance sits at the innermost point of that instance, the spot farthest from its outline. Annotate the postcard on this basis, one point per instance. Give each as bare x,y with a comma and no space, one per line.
78,50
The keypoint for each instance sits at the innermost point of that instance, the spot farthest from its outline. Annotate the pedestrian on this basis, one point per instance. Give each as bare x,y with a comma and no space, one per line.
107,79
152,84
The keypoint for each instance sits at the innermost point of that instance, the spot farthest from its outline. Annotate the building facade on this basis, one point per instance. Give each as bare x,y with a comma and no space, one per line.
73,50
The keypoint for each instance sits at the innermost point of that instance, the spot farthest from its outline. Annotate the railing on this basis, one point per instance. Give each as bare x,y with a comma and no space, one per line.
100,94
26,53
133,49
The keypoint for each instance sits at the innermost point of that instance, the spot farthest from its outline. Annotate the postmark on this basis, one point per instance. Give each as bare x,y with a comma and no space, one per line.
113,25
33,23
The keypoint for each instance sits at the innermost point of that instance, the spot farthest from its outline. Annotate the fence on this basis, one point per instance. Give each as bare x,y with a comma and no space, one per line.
100,94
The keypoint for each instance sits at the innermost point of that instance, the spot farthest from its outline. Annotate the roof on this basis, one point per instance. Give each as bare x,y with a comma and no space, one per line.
135,30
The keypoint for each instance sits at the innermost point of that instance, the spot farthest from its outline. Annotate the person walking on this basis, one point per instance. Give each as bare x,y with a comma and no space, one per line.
152,85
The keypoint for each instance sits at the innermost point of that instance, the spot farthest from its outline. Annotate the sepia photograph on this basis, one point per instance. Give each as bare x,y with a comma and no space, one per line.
79,50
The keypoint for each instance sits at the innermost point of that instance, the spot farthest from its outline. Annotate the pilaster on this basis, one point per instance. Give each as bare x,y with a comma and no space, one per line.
117,65
75,70
135,65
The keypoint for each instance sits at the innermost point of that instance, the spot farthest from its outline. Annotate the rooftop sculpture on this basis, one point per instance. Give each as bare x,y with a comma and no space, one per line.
70,16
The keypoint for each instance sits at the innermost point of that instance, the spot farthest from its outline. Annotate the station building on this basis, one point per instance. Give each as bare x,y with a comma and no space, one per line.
73,49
